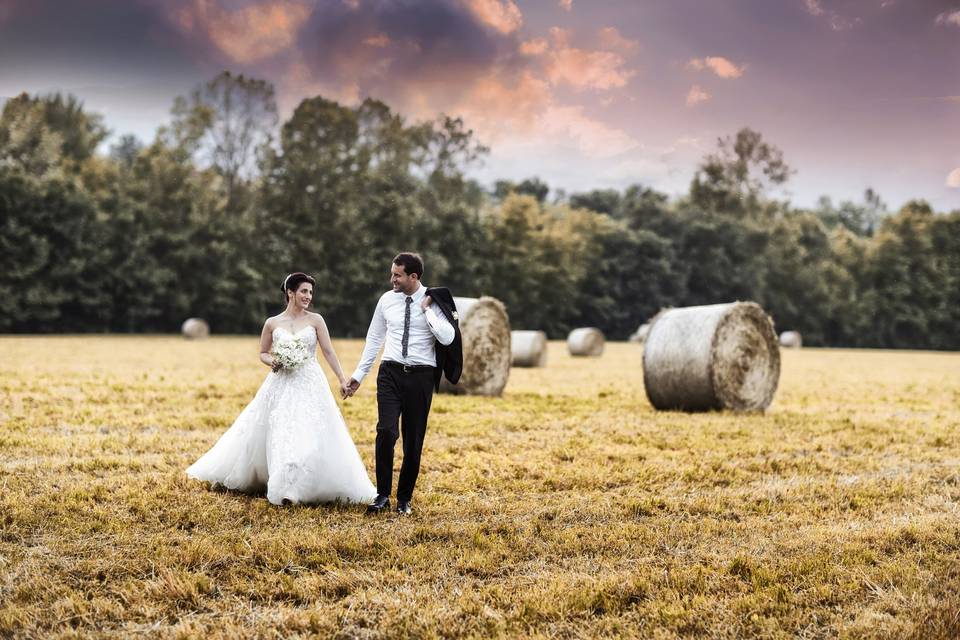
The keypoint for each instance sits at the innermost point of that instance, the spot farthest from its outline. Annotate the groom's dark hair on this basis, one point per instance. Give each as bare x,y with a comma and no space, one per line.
411,263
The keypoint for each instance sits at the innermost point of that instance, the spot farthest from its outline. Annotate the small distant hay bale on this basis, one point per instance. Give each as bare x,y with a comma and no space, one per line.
586,341
195,328
791,339
485,328
528,348
722,356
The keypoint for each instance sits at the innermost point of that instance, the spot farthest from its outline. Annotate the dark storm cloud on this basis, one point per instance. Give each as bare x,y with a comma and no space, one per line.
393,47
120,37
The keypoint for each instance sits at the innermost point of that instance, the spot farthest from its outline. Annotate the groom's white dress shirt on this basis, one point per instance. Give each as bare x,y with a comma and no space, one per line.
426,327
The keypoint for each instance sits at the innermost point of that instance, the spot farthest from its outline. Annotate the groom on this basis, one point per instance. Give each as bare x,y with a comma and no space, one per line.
409,322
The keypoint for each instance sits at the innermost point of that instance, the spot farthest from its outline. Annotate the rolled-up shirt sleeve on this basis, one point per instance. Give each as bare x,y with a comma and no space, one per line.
439,325
376,334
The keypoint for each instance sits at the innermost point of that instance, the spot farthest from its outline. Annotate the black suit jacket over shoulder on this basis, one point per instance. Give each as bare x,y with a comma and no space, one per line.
450,356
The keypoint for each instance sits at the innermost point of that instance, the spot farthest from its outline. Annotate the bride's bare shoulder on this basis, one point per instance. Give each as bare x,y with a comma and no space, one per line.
271,322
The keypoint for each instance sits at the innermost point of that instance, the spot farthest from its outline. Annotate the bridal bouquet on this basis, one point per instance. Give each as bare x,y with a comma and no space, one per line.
290,354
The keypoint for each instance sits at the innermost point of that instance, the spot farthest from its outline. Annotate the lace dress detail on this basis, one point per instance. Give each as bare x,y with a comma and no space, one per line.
291,440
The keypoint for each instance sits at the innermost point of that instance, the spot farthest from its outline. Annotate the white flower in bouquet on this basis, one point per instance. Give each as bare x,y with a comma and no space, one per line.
290,354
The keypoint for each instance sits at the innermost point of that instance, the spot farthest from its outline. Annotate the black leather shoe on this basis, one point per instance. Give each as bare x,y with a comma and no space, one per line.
403,507
379,504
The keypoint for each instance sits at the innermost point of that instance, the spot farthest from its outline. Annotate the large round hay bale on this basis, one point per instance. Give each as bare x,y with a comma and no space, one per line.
195,328
586,341
485,328
791,339
722,356
528,348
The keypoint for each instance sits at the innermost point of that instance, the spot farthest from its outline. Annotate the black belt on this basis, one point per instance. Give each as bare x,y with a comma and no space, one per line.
406,368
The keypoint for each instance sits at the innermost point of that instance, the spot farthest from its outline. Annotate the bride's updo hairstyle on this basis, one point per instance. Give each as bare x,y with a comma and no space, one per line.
292,282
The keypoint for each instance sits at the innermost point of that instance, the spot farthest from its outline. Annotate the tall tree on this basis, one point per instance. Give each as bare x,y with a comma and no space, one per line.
224,122
735,178
629,274
46,134
52,256
908,282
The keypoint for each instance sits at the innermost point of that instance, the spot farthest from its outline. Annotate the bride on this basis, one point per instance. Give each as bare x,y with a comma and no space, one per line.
291,439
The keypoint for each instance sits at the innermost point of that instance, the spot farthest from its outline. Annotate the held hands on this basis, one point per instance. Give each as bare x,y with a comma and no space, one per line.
348,388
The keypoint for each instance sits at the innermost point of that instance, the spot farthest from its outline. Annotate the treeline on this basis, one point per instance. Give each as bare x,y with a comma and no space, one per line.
207,219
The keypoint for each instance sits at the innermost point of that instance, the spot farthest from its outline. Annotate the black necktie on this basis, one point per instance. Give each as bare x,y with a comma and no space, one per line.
406,328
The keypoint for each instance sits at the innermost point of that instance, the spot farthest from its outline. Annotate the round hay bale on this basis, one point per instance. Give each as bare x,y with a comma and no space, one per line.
722,356
587,341
528,348
791,339
640,334
485,328
195,328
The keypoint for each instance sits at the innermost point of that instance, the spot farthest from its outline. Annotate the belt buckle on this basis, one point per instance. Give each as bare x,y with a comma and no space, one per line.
407,368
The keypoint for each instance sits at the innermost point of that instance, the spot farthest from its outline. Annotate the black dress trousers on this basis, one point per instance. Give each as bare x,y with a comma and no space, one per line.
403,404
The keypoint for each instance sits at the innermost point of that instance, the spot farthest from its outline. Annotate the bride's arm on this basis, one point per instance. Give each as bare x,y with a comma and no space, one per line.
326,346
266,341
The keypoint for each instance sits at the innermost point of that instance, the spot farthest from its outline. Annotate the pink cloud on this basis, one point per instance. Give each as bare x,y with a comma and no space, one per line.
814,8
533,47
593,138
494,101
837,21
949,17
380,41
566,5
560,37
696,95
502,15
580,68
246,35
718,64
583,69
610,38
953,179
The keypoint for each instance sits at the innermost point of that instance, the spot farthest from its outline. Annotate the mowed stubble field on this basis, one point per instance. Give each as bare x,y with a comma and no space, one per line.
567,508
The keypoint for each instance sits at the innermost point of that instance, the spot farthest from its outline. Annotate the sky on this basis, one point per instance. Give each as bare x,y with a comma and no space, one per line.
582,94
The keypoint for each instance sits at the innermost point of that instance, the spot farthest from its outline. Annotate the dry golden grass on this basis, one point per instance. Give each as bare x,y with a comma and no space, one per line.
567,508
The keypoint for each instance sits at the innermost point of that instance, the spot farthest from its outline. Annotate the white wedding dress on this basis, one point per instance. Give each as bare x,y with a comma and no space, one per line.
290,440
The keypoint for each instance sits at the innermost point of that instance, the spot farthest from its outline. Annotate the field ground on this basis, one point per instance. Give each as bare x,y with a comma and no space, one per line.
567,508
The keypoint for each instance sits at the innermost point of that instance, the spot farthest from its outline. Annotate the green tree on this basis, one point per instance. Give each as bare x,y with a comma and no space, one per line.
530,187
224,123
909,284
794,289
52,274
629,275
862,219
536,263
41,135
737,177
606,201
911,269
